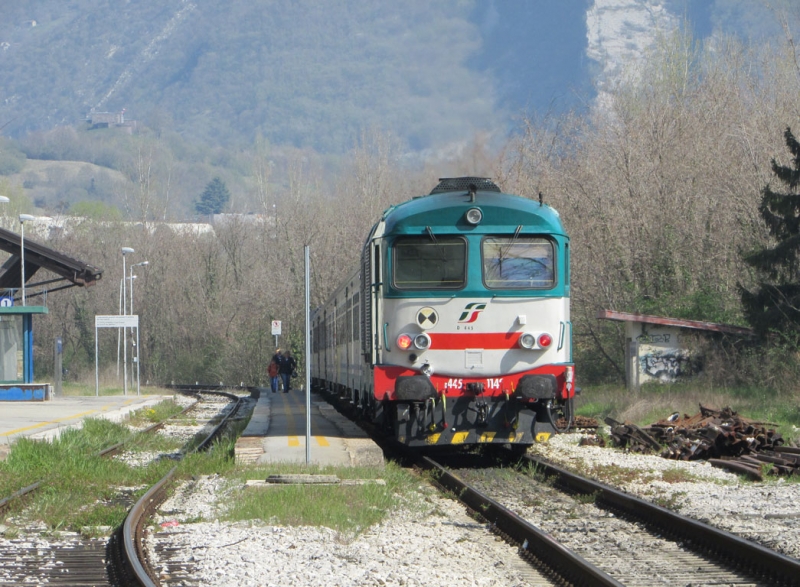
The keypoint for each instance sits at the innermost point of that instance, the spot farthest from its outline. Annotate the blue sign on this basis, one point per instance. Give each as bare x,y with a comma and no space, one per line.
6,302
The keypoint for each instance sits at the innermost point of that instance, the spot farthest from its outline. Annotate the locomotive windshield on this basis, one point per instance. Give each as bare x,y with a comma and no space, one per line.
426,263
526,262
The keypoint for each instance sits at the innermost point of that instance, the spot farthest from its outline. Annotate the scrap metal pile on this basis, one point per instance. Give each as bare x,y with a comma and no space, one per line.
722,437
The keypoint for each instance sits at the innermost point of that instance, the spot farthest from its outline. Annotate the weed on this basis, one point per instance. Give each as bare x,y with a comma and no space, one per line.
587,498
677,475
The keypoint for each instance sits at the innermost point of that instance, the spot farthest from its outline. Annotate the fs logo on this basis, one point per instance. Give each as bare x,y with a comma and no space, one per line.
471,312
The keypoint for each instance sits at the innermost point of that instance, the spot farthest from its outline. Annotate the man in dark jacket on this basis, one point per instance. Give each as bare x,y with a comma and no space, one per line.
286,369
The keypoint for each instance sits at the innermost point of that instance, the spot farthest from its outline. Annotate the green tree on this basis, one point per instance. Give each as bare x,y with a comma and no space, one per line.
774,305
213,198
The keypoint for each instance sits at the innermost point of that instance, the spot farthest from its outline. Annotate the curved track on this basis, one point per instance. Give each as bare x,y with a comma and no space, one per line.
73,559
131,566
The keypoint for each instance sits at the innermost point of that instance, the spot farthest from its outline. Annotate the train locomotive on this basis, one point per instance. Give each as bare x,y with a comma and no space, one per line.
455,328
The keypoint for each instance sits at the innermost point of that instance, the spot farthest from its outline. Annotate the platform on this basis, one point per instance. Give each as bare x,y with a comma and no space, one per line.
47,419
277,433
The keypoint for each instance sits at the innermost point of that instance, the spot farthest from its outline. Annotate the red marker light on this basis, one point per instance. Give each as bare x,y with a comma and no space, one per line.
545,340
404,341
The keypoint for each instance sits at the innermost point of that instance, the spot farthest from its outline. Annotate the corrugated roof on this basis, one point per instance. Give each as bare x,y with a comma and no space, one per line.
36,256
694,324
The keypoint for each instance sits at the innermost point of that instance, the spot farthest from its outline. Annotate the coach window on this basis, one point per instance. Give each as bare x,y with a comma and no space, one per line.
430,263
518,263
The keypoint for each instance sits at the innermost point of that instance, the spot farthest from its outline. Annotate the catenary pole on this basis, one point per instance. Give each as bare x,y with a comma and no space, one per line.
308,358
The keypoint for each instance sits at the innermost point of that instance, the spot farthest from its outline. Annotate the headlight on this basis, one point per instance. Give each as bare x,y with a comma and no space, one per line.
527,340
530,340
404,342
422,341
474,216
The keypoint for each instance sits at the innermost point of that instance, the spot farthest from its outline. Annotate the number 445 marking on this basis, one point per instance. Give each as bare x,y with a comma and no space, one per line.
459,383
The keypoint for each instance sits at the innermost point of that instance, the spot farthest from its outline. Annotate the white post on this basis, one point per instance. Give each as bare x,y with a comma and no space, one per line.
22,219
96,367
307,358
125,251
22,257
138,350
119,334
138,378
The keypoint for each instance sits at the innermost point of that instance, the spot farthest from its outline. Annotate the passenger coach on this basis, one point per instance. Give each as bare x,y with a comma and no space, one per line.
456,328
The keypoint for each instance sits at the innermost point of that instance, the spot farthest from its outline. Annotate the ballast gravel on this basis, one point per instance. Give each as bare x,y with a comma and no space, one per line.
436,545
766,512
442,544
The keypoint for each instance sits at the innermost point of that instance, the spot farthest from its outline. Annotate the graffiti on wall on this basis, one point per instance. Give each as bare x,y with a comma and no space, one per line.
668,365
653,338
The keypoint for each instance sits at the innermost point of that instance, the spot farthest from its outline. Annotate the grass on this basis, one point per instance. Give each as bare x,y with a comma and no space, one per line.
79,487
348,509
73,389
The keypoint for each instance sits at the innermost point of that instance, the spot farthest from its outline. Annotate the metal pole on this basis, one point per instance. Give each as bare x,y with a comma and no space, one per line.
124,333
96,367
308,355
22,256
125,251
119,334
138,378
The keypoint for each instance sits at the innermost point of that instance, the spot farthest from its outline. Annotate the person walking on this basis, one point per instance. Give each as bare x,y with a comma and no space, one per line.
273,371
286,369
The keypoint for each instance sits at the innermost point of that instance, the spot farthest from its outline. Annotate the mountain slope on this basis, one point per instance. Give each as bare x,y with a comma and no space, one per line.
295,71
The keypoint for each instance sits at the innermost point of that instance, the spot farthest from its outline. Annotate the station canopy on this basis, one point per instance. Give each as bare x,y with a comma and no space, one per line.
70,272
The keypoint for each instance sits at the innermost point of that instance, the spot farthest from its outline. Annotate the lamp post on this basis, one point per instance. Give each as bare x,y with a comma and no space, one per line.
125,251
22,219
132,277
136,358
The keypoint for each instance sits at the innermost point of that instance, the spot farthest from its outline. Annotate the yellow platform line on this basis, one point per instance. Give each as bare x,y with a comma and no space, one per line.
322,441
40,424
293,440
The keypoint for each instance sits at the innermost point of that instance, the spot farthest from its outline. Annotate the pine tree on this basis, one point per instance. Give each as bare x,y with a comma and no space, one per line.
213,198
775,305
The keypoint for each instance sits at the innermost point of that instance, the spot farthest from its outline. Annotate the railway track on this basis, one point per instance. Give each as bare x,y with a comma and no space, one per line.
131,565
590,534
37,555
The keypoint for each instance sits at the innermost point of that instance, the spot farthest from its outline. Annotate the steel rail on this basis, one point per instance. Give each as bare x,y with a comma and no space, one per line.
5,503
742,553
132,554
534,542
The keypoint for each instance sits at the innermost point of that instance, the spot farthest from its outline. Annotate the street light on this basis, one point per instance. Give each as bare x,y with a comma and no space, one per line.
125,251
136,358
132,277
22,219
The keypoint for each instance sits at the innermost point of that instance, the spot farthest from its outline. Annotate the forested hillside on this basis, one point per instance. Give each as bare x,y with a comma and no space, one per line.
300,73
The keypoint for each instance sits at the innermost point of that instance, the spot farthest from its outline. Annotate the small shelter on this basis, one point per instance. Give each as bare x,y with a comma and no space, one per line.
16,320
656,350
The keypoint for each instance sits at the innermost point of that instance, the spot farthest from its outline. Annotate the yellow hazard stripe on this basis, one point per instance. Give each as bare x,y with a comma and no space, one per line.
459,437
487,437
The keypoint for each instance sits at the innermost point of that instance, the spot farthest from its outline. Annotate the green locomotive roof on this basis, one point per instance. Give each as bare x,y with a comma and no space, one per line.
444,213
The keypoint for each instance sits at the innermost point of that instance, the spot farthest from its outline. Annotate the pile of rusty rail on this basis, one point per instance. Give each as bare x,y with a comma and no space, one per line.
721,437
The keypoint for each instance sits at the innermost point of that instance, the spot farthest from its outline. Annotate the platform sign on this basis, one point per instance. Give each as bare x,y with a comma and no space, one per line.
6,302
116,321
276,327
